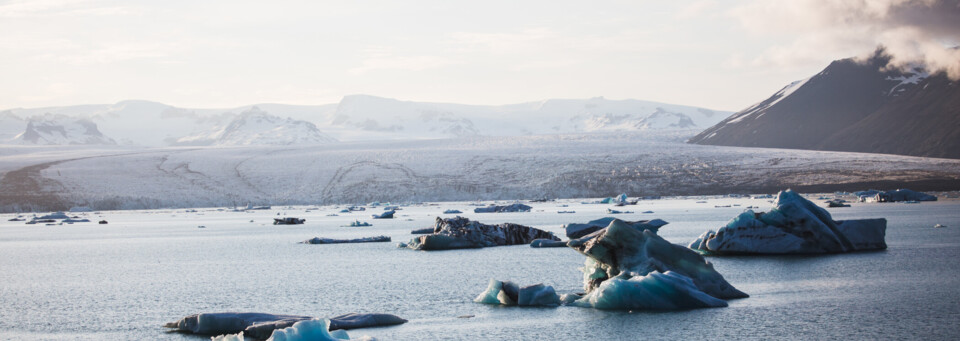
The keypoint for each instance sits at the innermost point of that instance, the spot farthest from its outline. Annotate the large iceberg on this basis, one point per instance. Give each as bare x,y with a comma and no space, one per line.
795,225
629,267
499,209
639,266
262,325
576,230
462,233
305,330
894,196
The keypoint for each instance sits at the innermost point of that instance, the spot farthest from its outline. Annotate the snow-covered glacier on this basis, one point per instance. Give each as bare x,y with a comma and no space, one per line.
794,225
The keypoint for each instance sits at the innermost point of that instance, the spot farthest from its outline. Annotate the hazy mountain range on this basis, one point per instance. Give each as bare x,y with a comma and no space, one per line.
354,118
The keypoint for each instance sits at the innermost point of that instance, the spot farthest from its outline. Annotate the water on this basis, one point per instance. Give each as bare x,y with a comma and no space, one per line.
125,280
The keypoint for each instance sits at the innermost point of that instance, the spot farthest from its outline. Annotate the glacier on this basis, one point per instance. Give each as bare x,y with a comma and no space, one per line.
794,226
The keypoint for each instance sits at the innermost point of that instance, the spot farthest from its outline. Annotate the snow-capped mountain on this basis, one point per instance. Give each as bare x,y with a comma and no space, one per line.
257,127
61,130
853,105
392,118
363,117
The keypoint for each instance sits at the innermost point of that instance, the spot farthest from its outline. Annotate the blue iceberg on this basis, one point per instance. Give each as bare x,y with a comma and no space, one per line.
384,215
500,209
794,226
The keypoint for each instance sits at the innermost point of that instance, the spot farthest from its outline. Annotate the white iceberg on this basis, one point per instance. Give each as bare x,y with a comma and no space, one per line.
794,226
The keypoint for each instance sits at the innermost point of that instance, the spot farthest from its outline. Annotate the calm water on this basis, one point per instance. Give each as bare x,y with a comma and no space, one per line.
124,280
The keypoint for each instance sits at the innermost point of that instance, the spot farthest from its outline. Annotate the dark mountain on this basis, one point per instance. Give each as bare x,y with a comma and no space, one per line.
852,105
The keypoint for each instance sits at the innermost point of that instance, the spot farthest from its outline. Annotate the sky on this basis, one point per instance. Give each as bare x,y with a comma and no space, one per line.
723,55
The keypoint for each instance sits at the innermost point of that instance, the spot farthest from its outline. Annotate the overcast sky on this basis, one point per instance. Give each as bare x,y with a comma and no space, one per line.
721,55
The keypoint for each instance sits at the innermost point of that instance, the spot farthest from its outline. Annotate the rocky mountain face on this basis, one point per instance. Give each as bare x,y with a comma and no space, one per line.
852,105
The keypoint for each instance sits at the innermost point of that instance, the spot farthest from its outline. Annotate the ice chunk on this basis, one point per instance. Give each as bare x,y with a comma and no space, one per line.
356,320
451,211
622,249
384,215
579,230
654,291
228,337
318,240
794,225
508,293
498,209
307,330
539,243
462,233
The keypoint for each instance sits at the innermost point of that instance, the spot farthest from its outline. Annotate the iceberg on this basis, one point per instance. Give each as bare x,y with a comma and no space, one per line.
794,226
509,293
499,209
356,320
575,231
427,230
622,252
452,211
539,243
55,215
384,215
628,267
358,223
288,221
462,233
318,240
262,325
308,330
894,196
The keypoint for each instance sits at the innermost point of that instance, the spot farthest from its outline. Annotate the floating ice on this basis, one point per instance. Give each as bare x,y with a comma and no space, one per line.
508,293
579,230
262,326
55,215
622,252
654,291
894,196
288,221
794,225
461,233
318,240
539,243
498,209
452,212
308,330
384,215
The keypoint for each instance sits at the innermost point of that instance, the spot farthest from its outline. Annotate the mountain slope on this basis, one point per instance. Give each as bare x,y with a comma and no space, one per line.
852,106
257,127
61,130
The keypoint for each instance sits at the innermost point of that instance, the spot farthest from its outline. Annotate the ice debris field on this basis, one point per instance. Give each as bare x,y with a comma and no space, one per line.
448,261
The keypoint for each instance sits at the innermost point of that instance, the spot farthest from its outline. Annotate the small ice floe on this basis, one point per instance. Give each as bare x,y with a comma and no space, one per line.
201,227
357,223
266,326
939,226
384,215
452,211
576,230
288,221
318,240
613,211
542,243
427,230
566,212
102,222
516,207
837,203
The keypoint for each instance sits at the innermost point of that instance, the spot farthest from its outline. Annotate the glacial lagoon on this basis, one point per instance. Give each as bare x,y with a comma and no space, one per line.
125,279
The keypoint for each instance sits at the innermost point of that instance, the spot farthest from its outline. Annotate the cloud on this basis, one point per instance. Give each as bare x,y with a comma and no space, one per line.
912,31
379,58
57,8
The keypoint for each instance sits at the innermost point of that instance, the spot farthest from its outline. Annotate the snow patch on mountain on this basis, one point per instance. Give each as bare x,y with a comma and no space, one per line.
52,129
257,127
